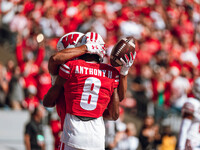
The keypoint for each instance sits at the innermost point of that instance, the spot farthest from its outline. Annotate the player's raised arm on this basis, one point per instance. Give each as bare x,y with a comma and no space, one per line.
66,51
63,56
122,88
70,46
123,54
54,92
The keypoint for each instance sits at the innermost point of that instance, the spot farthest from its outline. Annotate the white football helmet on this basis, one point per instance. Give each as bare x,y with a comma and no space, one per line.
93,37
196,88
69,40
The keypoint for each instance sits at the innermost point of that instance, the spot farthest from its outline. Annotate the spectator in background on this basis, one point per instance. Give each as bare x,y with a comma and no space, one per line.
112,128
19,24
50,26
168,139
180,88
16,91
43,81
55,125
34,134
126,140
8,9
149,135
95,20
10,67
3,85
161,93
142,89
29,66
31,101
129,24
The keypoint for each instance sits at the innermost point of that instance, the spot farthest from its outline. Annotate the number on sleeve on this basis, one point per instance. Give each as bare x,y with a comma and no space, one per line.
90,93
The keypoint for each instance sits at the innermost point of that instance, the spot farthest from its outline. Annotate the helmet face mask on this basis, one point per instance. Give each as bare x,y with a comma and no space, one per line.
196,88
69,40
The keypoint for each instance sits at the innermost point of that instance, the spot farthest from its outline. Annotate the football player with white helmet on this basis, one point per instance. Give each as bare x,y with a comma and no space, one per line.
91,93
189,138
69,46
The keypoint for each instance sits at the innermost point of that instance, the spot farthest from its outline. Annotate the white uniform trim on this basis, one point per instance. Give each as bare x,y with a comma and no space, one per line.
64,70
186,123
67,67
190,128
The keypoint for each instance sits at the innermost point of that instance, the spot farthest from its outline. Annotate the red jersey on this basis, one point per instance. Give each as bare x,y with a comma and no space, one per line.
29,70
31,102
43,85
56,131
88,88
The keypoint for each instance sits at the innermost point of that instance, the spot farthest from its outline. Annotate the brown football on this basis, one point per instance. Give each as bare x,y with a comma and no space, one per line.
123,46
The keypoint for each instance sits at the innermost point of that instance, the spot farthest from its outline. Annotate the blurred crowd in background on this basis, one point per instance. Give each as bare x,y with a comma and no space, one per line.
159,82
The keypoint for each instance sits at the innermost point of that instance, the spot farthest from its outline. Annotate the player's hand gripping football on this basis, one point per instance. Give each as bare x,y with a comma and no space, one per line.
126,64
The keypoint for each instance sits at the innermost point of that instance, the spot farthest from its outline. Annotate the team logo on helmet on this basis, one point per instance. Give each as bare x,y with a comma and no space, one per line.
69,40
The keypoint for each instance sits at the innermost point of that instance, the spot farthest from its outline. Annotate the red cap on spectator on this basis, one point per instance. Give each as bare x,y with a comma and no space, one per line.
175,64
28,7
175,68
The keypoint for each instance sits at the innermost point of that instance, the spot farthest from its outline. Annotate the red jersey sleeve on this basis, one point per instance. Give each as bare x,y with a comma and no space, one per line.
64,71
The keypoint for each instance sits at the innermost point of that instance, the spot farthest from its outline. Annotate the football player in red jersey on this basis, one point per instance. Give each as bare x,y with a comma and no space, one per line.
67,50
89,86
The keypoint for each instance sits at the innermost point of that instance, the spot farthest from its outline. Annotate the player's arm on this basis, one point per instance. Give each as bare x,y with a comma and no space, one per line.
122,88
187,114
54,92
43,146
112,111
127,63
27,142
63,56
